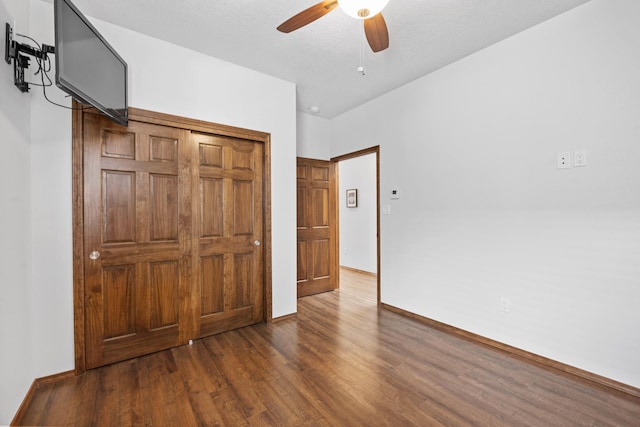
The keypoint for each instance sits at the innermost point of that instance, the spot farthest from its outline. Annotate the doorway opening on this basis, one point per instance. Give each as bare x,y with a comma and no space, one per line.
358,212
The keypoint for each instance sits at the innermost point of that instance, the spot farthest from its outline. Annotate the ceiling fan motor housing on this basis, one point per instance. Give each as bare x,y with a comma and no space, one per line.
362,9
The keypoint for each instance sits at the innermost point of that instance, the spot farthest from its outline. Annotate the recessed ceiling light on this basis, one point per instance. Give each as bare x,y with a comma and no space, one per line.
314,109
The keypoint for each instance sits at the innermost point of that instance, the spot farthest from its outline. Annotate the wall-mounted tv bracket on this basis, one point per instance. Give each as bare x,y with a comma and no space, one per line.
17,52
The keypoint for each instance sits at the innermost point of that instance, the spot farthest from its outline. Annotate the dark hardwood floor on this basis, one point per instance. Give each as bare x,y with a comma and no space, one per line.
341,362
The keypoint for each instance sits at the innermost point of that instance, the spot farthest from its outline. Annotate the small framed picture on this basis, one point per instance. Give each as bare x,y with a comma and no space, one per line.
352,198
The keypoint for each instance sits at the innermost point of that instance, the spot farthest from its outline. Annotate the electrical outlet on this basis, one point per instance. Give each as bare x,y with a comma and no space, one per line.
580,158
564,160
505,305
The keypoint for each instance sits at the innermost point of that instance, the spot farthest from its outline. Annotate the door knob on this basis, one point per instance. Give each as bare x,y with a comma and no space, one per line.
256,242
94,255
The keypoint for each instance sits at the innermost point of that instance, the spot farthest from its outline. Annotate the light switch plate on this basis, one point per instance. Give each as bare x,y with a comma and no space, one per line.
394,194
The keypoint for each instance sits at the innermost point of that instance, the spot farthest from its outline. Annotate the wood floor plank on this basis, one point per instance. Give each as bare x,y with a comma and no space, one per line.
340,361
199,384
282,402
36,407
85,389
283,380
358,284
106,406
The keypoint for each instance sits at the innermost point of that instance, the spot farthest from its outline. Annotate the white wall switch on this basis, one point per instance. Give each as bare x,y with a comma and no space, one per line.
564,160
395,194
580,158
386,209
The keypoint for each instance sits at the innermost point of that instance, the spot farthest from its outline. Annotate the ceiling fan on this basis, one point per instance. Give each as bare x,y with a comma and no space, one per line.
369,11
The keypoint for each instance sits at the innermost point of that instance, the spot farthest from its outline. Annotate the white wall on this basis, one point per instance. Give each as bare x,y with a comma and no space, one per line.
51,298
37,182
484,213
16,372
313,137
358,243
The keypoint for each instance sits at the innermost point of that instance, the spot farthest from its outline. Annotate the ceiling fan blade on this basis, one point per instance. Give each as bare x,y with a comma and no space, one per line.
307,16
377,34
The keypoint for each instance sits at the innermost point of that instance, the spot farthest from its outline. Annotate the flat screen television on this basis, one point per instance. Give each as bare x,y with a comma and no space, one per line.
87,67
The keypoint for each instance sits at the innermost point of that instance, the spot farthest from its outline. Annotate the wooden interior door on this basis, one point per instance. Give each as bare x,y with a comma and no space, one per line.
173,230
137,220
228,251
316,222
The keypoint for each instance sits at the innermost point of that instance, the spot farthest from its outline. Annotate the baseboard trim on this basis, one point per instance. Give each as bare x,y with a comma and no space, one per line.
355,270
38,382
545,362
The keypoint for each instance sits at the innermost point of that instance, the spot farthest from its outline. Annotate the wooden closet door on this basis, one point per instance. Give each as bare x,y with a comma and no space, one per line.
138,224
172,235
228,247
316,223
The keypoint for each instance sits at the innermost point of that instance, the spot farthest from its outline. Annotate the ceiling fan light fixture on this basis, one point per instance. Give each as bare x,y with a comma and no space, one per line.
362,9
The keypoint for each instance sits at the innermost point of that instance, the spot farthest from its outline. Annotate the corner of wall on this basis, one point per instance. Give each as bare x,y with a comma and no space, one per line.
313,136
16,367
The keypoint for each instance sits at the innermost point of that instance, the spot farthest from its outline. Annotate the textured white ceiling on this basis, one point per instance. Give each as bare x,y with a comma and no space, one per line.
322,57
